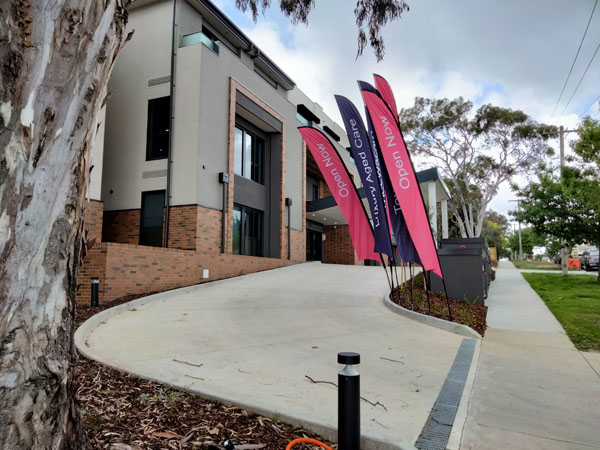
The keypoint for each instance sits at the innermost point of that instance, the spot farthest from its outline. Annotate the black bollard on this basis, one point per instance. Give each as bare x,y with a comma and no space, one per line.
95,291
348,402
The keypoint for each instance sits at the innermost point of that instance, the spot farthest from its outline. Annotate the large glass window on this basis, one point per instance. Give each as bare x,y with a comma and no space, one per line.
247,231
151,220
249,155
157,143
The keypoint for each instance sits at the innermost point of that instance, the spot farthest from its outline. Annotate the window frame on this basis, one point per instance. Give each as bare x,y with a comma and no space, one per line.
249,218
145,194
256,163
150,134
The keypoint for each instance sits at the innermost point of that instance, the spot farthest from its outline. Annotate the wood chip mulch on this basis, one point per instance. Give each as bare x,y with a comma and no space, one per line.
463,312
124,412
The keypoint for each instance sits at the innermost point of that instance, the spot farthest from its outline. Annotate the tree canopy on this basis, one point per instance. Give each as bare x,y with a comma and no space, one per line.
528,240
477,151
569,208
494,230
371,17
587,147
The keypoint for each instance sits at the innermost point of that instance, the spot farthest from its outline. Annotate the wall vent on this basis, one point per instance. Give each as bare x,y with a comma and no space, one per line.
161,173
158,81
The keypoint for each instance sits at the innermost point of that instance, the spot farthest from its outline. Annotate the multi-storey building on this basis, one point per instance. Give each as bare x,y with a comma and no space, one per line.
230,197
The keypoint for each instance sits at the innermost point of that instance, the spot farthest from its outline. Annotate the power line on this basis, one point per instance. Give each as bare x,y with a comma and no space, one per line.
581,79
590,105
575,59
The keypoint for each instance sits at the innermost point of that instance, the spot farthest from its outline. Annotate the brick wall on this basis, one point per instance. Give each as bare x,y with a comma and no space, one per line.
94,210
182,227
121,226
134,269
324,189
209,232
298,247
337,246
94,265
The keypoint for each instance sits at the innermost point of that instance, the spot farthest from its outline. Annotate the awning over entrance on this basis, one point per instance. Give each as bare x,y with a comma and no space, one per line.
433,188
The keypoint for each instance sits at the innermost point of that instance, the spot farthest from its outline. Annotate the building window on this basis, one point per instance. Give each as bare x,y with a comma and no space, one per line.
247,231
312,189
151,218
210,40
157,143
303,120
249,155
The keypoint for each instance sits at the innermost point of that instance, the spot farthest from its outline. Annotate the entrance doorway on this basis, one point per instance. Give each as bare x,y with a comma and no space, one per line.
151,220
314,245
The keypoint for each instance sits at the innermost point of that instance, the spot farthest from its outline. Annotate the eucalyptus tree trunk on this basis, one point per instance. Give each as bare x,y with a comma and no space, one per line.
55,60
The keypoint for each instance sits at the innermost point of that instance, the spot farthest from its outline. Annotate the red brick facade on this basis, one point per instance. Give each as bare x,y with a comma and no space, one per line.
134,269
209,232
121,226
337,246
298,247
324,189
182,227
94,210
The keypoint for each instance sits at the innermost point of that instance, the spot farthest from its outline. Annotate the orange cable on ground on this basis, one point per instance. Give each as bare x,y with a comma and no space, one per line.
308,441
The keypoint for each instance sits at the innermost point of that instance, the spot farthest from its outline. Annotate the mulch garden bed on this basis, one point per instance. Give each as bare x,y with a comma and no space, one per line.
435,305
124,412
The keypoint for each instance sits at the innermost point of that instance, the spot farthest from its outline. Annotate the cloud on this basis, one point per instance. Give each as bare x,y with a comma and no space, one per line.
512,53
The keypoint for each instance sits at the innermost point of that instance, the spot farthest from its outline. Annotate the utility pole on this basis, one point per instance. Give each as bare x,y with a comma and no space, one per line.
563,250
520,241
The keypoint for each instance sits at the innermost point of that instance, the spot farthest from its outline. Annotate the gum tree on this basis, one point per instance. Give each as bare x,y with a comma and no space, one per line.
566,211
371,17
477,151
55,60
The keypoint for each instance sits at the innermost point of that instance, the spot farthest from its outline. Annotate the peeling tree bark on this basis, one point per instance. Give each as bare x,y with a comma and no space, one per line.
55,59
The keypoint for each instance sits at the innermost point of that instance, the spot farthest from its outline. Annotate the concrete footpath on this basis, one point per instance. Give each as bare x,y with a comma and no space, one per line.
254,340
532,388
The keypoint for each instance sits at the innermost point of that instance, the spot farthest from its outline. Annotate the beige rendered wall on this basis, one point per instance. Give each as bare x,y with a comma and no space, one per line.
201,130
146,56
297,97
97,155
214,127
187,136
188,19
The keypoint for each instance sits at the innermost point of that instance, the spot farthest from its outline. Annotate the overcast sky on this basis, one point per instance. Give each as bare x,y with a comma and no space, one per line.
511,53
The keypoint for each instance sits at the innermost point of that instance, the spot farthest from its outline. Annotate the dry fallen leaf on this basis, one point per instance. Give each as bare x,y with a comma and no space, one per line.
120,446
166,435
154,416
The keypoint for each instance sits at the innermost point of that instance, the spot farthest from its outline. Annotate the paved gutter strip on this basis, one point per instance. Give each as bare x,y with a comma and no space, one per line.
437,429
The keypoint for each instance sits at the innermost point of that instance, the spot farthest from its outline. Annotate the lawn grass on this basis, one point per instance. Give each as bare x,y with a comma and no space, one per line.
575,301
537,265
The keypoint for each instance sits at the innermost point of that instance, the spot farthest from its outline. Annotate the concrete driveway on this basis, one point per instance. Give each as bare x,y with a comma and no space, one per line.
253,340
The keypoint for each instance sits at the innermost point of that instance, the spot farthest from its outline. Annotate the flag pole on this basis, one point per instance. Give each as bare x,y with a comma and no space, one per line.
426,290
397,117
390,283
410,273
447,299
